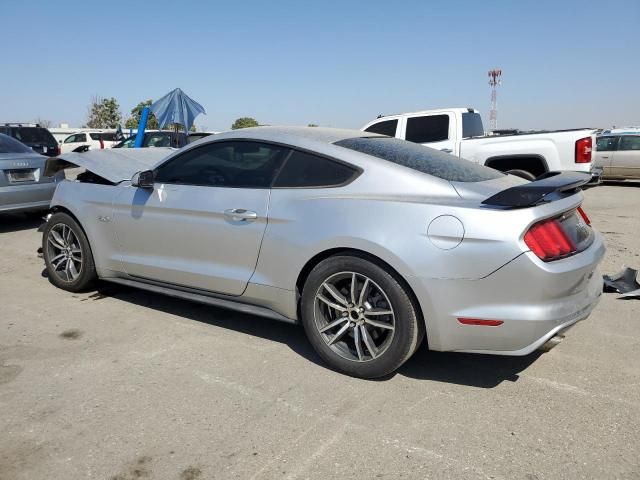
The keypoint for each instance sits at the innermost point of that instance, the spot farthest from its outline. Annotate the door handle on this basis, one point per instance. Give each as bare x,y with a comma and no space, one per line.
240,214
446,150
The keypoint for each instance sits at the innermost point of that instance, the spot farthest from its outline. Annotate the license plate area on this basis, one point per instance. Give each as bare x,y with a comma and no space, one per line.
21,175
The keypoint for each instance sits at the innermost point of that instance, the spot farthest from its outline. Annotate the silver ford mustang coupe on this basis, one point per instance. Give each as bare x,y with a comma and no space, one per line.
370,242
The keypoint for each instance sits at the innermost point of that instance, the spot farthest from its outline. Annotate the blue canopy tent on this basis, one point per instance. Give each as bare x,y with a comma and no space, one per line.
176,107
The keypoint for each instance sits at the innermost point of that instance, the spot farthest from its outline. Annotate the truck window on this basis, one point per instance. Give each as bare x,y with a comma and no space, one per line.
472,125
432,128
387,127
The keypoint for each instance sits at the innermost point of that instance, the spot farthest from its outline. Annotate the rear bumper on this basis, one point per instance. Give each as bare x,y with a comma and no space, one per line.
26,197
535,301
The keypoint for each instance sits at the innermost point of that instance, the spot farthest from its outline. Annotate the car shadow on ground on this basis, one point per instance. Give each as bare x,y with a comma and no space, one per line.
14,222
483,371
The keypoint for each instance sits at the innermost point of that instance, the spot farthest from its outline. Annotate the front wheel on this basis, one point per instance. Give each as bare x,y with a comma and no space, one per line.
67,255
359,318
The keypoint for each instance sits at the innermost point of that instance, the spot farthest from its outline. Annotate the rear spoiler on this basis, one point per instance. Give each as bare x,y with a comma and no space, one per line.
548,187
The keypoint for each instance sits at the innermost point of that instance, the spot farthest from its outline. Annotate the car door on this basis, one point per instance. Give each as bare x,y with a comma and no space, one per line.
604,153
435,131
626,161
202,224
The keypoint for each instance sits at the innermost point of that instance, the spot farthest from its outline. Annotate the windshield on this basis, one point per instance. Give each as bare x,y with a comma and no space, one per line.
421,158
472,125
9,145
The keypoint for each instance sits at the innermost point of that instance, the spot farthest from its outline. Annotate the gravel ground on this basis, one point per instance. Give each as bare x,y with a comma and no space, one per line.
123,384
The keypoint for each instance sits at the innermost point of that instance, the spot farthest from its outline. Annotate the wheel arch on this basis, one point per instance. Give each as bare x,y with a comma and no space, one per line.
517,162
319,257
61,209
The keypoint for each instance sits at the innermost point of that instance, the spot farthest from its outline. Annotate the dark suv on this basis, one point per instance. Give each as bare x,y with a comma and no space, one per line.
34,136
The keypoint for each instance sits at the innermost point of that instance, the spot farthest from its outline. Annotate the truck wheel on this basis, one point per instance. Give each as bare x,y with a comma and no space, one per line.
522,174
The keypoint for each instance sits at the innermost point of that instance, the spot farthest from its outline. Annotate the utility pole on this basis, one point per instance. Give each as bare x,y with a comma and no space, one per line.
494,81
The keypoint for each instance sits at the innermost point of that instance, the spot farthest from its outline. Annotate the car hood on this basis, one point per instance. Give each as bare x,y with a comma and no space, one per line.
112,165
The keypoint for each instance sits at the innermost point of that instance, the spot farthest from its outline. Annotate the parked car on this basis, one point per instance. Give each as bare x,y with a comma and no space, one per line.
22,183
164,138
156,138
460,131
368,241
34,136
618,156
83,141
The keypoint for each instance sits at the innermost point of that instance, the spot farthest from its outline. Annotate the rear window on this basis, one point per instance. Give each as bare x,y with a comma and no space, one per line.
472,125
9,145
388,128
33,135
420,158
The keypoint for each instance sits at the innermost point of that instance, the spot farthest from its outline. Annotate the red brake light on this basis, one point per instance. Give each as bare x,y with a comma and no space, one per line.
583,150
548,240
584,216
101,142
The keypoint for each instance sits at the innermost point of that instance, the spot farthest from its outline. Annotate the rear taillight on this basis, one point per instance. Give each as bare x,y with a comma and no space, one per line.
58,150
583,150
549,241
584,216
101,143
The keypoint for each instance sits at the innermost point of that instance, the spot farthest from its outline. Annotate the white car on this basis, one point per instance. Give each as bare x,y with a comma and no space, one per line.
618,156
460,131
83,141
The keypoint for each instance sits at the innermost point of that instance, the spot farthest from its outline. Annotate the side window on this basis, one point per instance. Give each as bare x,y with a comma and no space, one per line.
606,144
307,170
433,128
94,136
70,139
81,137
629,143
387,127
225,164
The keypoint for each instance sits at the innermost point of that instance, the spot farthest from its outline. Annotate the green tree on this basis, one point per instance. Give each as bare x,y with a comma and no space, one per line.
244,122
104,113
134,119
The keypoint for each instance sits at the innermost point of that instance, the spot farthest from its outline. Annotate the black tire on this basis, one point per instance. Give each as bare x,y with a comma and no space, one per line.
85,268
522,174
409,327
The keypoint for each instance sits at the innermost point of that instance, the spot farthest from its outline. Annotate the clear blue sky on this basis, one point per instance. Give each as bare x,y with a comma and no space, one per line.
334,63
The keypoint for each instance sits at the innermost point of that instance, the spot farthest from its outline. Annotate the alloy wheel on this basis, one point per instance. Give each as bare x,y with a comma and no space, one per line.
64,252
354,316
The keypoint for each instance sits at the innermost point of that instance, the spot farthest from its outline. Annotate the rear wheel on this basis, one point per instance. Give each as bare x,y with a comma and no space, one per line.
67,254
359,318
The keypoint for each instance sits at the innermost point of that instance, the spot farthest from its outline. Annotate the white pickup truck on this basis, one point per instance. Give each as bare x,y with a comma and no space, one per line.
460,131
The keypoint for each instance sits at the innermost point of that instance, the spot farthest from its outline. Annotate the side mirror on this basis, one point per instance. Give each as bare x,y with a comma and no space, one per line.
143,179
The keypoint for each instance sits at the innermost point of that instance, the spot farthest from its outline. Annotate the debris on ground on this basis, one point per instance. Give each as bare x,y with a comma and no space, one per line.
624,282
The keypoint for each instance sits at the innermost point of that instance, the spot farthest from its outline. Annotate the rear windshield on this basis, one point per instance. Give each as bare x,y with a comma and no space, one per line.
9,145
421,158
33,135
472,125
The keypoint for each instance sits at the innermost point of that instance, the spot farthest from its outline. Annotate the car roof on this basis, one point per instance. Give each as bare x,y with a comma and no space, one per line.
287,134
